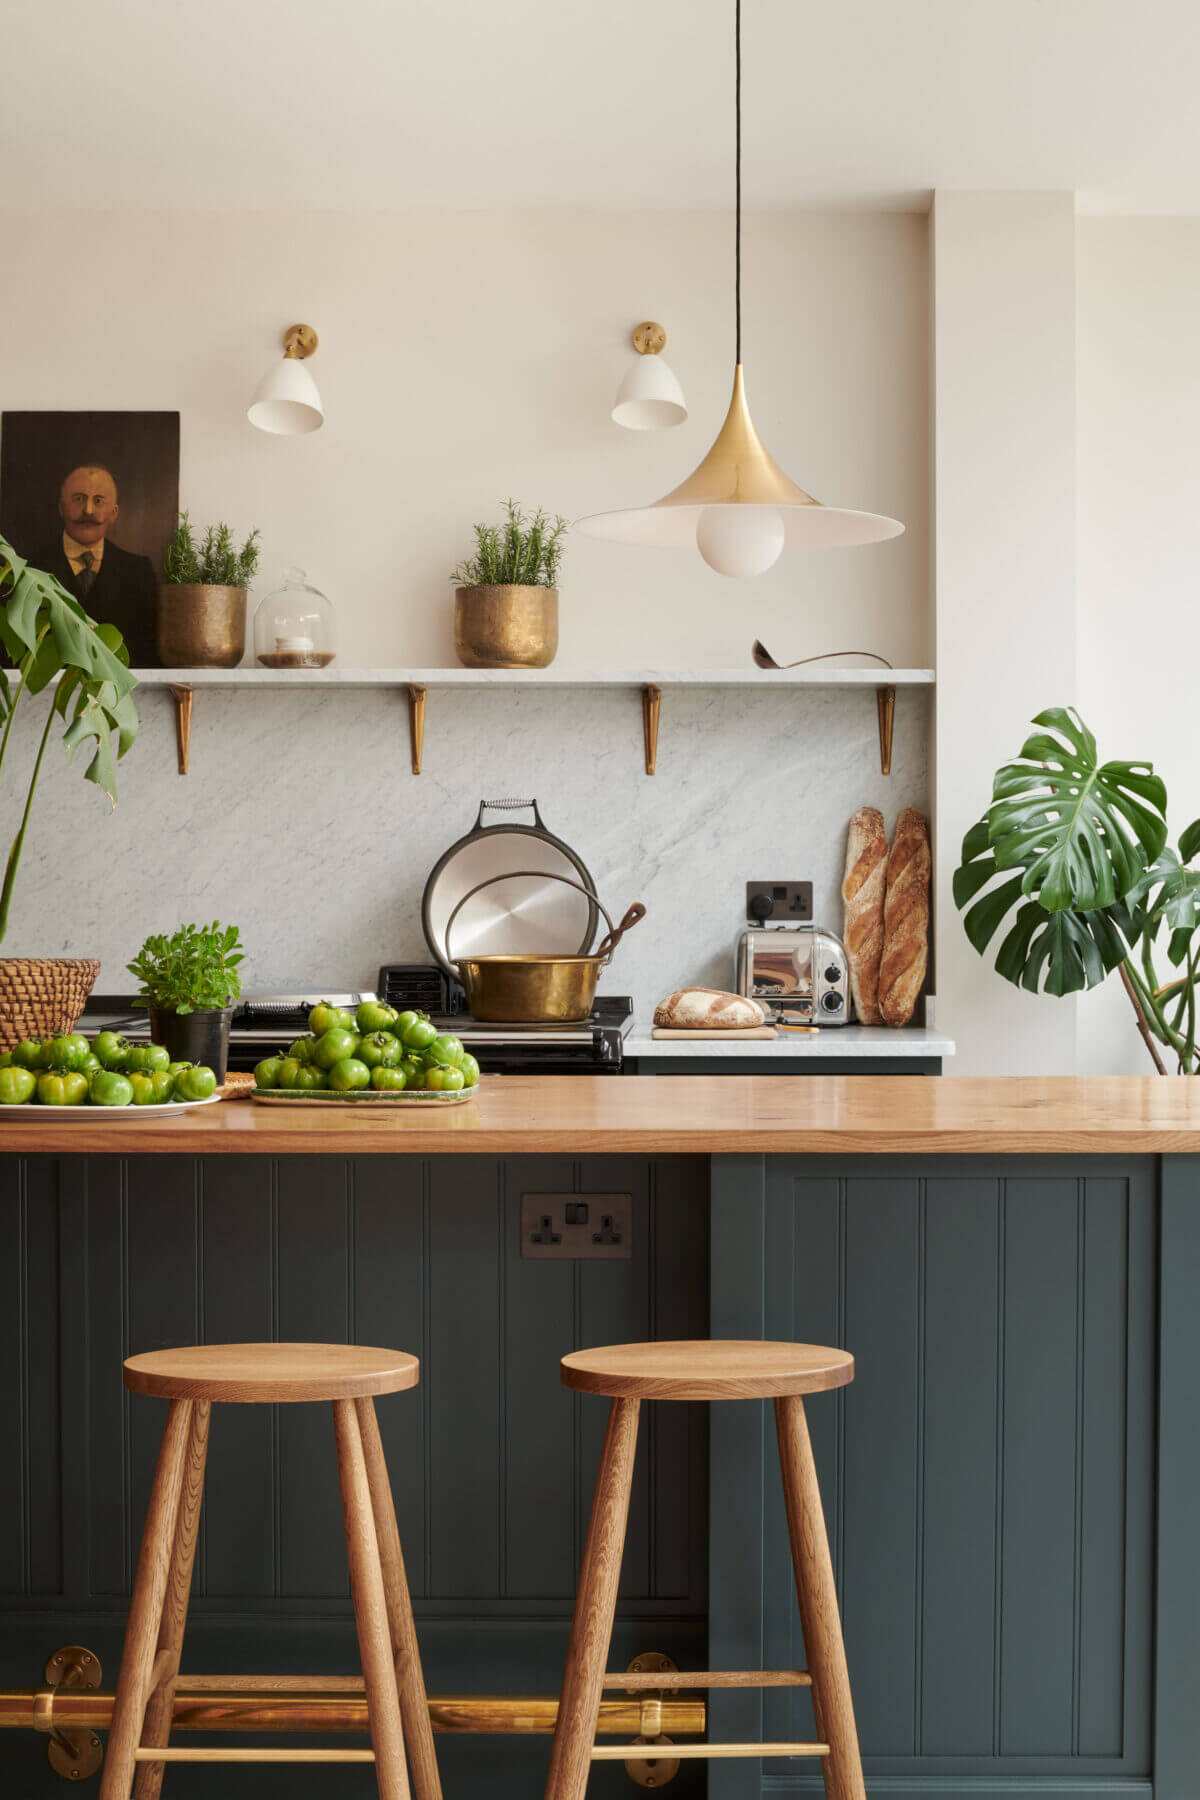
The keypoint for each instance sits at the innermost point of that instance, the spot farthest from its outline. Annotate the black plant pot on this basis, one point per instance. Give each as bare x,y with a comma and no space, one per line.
197,1037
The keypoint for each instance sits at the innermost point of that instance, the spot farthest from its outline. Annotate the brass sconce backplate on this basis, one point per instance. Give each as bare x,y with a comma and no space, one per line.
649,338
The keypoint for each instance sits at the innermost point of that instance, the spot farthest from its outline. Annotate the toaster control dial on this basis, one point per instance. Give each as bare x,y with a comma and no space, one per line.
831,1003
833,974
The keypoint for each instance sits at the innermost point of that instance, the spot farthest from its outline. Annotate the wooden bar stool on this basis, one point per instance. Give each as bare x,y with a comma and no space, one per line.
192,1379
731,1370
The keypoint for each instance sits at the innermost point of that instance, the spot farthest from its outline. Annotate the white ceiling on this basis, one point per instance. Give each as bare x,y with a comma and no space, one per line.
613,103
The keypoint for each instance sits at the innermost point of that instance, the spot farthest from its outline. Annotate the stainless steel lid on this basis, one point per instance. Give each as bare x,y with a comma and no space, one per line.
520,915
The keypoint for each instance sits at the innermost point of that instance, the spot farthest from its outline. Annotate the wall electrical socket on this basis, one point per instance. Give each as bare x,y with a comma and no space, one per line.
577,1225
779,902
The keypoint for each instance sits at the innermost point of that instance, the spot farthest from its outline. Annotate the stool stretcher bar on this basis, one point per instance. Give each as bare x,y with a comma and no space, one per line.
705,1752
337,1703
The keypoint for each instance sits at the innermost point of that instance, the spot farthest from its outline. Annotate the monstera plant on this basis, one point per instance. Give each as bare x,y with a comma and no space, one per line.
1071,861
47,634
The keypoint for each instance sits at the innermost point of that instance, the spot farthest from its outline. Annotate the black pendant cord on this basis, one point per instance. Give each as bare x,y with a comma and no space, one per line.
737,254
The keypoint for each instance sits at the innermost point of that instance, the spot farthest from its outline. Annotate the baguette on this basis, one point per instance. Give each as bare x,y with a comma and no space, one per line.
708,1009
905,919
863,886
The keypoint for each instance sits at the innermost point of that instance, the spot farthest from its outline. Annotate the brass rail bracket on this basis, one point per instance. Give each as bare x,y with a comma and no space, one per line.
72,1754
652,1771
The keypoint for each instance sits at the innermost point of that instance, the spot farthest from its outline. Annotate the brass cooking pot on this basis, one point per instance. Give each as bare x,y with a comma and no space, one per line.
533,989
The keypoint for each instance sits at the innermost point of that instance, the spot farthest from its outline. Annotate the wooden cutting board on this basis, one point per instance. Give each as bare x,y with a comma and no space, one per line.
746,1031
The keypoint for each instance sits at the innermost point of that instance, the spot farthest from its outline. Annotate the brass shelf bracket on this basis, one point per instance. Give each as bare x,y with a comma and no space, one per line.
184,698
72,1753
651,713
416,724
885,702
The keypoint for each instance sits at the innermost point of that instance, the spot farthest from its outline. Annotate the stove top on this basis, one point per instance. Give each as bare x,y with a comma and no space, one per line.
265,1023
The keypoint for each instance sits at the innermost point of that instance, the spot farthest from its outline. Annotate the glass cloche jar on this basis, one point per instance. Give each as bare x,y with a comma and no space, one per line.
294,625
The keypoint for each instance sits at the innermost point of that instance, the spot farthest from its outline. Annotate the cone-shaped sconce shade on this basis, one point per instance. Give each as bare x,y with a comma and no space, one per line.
650,397
287,401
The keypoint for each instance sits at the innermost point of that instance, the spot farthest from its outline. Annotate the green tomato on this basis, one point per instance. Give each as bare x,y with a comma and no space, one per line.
174,1068
69,1050
16,1086
381,1049
470,1069
388,1081
302,1049
334,1046
198,1083
418,1033
144,1059
5,1059
112,1050
28,1054
110,1088
349,1074
414,1071
445,1052
375,1015
325,1017
266,1073
152,1087
89,1065
311,1077
444,1081
68,1088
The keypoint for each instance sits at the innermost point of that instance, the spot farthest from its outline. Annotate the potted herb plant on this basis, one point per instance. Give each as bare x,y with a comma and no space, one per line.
506,604
48,636
1072,860
201,622
190,981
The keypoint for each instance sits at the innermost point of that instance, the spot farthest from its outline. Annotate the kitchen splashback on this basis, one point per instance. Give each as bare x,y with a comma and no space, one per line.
301,822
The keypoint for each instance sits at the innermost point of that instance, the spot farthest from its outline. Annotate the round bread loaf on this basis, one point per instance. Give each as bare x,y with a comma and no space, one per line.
708,1009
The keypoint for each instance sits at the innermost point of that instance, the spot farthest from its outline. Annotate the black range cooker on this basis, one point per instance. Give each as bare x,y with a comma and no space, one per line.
265,1024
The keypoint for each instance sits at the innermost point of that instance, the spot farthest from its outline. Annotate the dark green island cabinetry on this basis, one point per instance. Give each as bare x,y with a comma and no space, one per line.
1009,1483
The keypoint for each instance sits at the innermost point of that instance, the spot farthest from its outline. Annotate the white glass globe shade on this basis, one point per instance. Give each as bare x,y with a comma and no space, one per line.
740,540
287,402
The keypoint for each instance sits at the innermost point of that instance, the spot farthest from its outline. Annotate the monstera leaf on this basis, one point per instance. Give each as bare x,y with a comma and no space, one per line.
1075,837
1080,831
48,634
1168,892
1060,952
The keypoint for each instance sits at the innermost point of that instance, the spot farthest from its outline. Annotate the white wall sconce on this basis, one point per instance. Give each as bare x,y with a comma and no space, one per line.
650,398
287,402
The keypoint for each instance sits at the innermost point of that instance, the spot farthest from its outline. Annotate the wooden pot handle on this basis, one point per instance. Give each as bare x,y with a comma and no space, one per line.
609,942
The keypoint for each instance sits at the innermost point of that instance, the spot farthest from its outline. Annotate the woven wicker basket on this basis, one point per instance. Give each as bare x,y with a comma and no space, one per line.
40,996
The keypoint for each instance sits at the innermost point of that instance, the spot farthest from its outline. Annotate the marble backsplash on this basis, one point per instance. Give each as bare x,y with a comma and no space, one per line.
301,821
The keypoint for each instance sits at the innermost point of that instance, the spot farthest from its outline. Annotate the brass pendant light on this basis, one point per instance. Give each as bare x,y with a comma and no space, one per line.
738,507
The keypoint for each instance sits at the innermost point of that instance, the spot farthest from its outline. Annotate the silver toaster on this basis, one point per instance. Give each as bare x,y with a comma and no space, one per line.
799,973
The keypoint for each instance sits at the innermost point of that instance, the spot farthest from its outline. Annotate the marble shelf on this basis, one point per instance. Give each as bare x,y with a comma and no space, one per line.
416,684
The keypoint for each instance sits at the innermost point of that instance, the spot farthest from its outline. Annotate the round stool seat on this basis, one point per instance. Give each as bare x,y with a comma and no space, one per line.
262,1373
707,1369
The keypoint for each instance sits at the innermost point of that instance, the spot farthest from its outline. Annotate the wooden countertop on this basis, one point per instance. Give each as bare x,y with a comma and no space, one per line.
887,1114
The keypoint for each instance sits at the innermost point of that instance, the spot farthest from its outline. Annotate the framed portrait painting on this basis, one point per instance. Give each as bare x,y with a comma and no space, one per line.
93,497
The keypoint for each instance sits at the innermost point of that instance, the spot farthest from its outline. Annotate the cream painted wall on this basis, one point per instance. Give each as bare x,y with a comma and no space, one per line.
1138,283
468,356
1004,404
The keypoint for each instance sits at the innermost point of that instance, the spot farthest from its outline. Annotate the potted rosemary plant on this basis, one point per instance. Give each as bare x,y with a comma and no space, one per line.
190,981
1072,860
48,636
506,603
201,622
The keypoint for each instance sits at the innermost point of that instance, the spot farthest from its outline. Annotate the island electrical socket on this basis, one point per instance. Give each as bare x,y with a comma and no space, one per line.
779,902
577,1225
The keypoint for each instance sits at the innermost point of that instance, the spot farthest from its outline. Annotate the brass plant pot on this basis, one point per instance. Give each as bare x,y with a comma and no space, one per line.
505,627
200,627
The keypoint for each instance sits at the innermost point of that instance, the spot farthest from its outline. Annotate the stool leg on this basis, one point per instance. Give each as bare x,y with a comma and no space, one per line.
595,1605
146,1606
370,1607
414,1703
817,1594
156,1729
